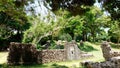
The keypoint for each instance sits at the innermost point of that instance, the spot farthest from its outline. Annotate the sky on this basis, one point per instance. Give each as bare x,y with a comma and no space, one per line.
39,8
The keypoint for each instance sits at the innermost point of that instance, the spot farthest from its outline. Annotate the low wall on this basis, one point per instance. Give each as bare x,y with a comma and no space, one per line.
112,58
112,63
20,53
27,54
56,55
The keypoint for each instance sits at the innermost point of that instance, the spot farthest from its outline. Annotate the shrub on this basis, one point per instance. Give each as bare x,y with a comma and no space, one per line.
66,37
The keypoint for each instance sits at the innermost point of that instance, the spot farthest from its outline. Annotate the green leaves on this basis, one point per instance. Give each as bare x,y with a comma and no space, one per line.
113,7
115,29
13,18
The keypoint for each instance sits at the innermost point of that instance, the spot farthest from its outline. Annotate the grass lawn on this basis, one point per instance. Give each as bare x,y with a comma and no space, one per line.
96,51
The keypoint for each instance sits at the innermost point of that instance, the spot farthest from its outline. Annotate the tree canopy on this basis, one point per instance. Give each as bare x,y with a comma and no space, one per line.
74,20
74,6
113,7
13,17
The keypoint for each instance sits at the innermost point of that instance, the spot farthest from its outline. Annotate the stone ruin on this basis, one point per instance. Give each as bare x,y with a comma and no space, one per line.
73,52
20,53
108,52
112,63
112,58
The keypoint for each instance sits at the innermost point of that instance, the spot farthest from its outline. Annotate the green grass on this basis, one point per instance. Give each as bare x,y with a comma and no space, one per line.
89,47
116,46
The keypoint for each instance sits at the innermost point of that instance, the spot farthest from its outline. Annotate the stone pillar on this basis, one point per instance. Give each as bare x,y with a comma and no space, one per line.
106,49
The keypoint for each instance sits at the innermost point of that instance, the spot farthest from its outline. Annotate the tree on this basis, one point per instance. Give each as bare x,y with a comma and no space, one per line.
115,30
13,18
65,25
74,6
91,24
74,26
113,7
13,21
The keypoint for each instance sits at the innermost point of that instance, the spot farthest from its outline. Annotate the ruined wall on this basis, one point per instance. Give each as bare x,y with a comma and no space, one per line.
51,55
112,63
20,53
72,51
112,58
27,54
108,52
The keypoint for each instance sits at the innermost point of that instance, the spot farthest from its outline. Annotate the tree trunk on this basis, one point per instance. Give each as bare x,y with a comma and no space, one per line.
118,41
84,36
93,34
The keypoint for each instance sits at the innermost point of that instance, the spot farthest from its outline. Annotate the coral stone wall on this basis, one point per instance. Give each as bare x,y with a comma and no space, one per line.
72,51
112,58
56,55
20,53
111,63
108,53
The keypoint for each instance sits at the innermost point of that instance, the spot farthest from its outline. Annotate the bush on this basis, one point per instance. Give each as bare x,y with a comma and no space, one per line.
86,47
66,37
113,45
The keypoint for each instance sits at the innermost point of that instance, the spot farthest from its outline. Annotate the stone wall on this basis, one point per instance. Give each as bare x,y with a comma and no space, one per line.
20,53
27,54
108,52
73,52
111,63
56,55
112,58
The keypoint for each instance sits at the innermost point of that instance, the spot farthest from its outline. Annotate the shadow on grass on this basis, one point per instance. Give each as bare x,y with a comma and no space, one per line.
86,48
24,66
58,66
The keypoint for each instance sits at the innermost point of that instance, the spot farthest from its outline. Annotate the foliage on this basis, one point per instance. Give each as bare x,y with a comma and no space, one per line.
10,25
74,26
102,36
113,7
113,45
13,18
37,29
49,31
73,6
65,37
92,23
13,21
86,47
115,31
